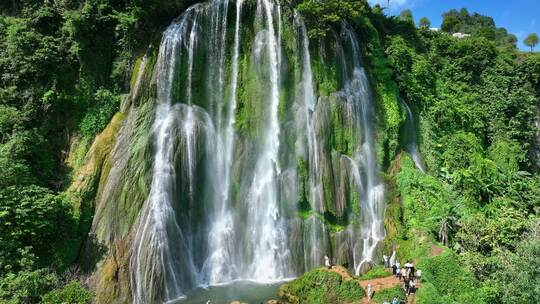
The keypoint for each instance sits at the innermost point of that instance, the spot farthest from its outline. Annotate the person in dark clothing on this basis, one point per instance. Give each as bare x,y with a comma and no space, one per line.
412,287
406,282
394,268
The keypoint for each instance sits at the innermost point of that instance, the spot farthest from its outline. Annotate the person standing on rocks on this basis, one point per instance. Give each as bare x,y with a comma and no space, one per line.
327,263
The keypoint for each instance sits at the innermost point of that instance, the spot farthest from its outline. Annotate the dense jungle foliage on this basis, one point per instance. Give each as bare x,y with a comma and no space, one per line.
65,64
476,101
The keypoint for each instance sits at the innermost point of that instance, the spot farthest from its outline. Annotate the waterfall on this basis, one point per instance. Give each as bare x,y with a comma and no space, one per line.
316,238
410,139
360,101
220,267
222,204
161,253
266,229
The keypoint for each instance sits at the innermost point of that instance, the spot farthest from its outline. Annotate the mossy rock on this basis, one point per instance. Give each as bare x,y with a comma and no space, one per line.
321,286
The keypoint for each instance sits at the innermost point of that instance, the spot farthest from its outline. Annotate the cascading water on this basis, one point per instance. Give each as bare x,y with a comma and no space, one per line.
219,266
160,249
360,102
410,140
266,229
315,247
221,205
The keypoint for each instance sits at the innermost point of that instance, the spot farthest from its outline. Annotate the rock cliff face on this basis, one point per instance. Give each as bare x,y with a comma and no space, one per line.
242,152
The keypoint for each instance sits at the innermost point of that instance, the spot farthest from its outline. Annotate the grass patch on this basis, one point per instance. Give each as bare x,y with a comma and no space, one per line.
321,287
376,272
386,295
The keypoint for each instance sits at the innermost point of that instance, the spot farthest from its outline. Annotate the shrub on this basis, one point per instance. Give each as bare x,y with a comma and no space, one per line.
320,286
31,217
100,113
26,286
376,272
72,293
386,295
428,294
450,279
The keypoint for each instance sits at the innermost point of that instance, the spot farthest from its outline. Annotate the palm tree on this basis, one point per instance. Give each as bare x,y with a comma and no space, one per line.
531,40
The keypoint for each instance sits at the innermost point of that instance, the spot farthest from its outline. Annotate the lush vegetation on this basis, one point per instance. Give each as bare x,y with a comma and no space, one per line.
461,21
320,287
531,40
376,272
388,294
475,103
64,67
322,15
66,64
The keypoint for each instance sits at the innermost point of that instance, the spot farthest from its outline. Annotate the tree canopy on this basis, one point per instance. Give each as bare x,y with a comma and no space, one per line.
424,23
531,40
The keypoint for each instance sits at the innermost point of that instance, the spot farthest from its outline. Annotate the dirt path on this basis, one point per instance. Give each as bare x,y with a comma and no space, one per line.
342,271
377,284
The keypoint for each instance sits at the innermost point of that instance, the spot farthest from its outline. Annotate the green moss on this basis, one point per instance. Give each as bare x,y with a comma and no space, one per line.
385,91
321,287
248,115
135,73
344,136
77,152
354,206
325,76
303,176
328,187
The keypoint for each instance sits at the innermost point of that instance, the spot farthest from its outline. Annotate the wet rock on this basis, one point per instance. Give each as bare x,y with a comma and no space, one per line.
341,247
296,241
315,241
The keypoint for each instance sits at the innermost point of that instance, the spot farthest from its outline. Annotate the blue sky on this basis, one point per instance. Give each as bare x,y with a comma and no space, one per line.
519,17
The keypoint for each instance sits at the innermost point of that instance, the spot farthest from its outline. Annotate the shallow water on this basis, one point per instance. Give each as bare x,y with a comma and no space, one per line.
243,291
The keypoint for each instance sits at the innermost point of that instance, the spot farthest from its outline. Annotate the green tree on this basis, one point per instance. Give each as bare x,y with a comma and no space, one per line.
26,286
406,16
451,22
424,23
321,15
517,277
31,217
73,293
531,40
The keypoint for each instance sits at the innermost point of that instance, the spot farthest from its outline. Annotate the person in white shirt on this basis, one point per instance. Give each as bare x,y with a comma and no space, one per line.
327,262
418,274
369,292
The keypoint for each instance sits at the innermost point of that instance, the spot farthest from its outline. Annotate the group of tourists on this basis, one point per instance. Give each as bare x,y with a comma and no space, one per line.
408,273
